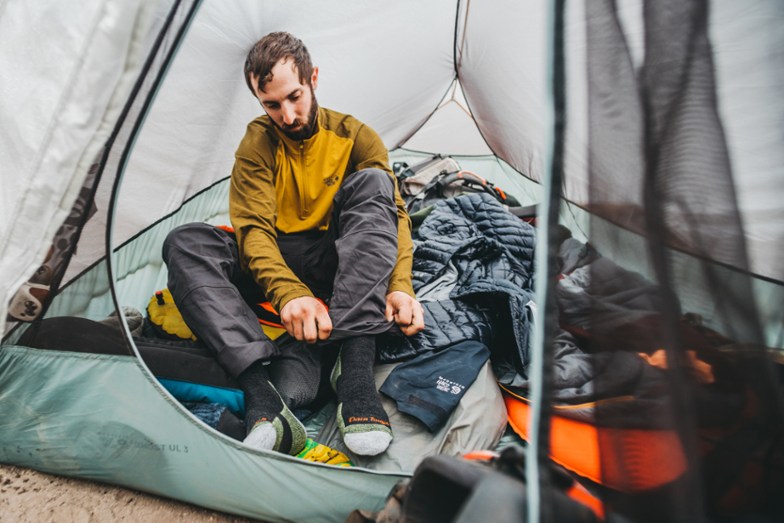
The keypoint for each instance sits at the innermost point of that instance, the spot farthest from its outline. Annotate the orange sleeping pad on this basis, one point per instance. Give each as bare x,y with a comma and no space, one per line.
639,459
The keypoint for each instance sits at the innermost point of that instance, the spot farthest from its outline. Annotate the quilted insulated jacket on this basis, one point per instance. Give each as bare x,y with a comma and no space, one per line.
473,272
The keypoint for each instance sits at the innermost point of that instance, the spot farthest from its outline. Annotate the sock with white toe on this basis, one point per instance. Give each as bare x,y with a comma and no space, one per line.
361,418
270,425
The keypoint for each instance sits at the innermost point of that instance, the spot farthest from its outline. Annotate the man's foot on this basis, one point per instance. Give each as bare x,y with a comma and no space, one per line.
362,421
283,433
364,435
270,425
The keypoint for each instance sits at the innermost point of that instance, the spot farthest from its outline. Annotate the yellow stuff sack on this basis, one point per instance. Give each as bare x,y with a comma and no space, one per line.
168,323
166,318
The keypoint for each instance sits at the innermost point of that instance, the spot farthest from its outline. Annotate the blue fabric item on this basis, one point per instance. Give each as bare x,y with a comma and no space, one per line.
209,413
185,391
430,386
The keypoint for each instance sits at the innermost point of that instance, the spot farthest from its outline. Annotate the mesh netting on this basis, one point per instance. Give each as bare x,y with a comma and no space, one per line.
681,393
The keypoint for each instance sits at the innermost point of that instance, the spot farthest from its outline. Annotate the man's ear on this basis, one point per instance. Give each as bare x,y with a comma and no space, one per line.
314,78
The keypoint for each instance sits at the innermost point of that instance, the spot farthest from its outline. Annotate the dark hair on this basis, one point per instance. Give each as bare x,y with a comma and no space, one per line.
269,51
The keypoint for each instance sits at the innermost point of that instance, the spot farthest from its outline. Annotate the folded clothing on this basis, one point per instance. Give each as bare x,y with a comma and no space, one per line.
430,386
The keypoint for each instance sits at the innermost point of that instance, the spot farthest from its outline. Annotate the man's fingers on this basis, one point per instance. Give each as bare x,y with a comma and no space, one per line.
309,329
324,323
404,315
389,312
306,319
293,322
418,318
317,324
406,311
296,329
416,325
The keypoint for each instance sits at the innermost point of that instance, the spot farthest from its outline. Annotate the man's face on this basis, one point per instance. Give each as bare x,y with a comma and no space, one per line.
290,104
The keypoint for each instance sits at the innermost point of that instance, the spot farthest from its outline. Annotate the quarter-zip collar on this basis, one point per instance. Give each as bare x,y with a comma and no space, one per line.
298,149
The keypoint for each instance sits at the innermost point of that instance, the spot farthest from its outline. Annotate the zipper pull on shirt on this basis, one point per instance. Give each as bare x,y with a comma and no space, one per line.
303,206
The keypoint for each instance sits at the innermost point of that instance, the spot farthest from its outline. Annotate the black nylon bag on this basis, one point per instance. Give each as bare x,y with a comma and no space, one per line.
448,489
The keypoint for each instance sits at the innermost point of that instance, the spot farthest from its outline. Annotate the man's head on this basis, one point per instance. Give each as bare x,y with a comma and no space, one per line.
280,75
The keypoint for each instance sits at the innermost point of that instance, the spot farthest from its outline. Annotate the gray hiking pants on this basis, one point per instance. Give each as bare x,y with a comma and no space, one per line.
348,266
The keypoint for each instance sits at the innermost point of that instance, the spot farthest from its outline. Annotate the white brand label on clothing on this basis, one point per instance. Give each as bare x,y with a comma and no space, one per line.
449,386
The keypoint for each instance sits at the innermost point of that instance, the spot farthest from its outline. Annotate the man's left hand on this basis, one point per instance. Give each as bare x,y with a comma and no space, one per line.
406,311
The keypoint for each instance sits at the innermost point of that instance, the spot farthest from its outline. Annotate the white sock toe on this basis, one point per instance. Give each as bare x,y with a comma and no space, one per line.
367,443
262,437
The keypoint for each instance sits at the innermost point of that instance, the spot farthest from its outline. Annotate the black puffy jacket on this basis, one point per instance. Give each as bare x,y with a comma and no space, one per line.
473,273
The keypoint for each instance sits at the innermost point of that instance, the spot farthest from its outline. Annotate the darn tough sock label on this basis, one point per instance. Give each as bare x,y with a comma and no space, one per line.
366,419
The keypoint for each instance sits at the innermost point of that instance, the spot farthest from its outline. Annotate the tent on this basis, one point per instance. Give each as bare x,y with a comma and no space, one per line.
650,130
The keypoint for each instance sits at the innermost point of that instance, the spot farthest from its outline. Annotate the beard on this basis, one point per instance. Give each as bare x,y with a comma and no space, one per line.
303,130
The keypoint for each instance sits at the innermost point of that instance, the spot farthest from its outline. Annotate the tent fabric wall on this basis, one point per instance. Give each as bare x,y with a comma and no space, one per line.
202,108
200,113
66,74
750,71
392,66
143,441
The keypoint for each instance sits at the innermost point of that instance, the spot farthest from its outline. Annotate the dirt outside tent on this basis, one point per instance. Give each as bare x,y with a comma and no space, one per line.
30,496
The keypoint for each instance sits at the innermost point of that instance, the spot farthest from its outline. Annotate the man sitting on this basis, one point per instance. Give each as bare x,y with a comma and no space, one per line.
321,231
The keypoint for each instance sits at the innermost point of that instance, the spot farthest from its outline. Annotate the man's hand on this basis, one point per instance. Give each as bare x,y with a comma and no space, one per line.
306,319
406,311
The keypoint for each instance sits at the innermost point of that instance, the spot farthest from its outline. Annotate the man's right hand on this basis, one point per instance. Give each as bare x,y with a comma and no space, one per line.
306,319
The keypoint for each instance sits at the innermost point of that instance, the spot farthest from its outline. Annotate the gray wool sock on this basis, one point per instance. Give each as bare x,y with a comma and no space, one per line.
269,424
361,418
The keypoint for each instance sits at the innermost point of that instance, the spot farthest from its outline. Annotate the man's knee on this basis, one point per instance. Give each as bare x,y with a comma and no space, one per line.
185,237
370,182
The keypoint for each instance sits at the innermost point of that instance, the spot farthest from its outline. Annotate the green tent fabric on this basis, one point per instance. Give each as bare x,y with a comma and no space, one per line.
78,417
652,132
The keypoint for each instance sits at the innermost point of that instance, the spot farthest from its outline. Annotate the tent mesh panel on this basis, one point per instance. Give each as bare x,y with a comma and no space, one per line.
684,394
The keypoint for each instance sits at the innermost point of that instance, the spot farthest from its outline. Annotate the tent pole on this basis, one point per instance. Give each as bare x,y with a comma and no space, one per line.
545,324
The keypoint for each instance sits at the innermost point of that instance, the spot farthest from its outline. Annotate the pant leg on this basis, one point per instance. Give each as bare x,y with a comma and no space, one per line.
300,373
349,267
365,221
311,256
204,275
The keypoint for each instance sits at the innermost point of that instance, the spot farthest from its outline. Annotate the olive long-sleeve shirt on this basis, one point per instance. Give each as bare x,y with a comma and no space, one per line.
280,184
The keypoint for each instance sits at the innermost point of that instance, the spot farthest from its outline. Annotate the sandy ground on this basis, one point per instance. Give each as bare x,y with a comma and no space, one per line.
30,496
